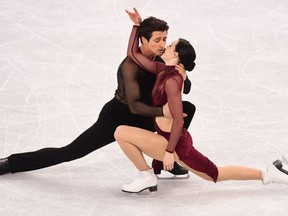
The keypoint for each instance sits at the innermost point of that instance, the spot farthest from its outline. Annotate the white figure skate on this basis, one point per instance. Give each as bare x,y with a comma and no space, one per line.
145,180
277,172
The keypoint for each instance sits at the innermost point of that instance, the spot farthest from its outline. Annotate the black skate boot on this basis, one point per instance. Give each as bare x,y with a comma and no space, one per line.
4,166
178,172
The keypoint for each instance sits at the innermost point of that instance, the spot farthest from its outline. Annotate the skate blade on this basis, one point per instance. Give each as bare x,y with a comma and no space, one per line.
279,165
169,176
145,191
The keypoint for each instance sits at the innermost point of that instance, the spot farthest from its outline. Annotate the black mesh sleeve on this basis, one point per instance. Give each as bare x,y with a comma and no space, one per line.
133,52
187,86
132,91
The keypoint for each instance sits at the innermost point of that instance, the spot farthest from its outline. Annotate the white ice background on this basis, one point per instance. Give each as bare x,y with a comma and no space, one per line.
58,63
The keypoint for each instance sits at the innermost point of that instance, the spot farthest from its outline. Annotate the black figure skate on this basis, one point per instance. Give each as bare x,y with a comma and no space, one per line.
178,172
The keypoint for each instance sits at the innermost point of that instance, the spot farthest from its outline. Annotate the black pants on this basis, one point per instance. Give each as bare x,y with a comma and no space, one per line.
101,133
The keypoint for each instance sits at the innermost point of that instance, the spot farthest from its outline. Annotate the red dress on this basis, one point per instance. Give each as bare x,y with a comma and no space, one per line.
168,87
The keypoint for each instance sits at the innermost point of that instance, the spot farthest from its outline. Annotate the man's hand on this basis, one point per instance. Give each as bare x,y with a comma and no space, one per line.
168,161
134,16
166,112
181,69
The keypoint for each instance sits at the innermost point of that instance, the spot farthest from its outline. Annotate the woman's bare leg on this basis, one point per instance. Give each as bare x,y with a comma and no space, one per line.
200,174
230,173
133,141
238,173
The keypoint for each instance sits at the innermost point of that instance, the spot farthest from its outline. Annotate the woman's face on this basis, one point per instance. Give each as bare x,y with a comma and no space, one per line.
170,51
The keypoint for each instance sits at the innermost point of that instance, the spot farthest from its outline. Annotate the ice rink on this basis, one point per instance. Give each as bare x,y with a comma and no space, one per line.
58,63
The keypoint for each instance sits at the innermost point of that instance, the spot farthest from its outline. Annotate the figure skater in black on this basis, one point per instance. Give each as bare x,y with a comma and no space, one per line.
131,105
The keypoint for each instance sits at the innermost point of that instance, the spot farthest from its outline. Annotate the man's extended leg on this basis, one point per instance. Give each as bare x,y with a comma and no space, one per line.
95,137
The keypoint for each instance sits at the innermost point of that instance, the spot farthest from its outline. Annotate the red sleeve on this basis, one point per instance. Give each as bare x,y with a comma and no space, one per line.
173,87
140,59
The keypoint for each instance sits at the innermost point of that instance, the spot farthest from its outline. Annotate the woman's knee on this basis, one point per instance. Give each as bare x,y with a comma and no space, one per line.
120,132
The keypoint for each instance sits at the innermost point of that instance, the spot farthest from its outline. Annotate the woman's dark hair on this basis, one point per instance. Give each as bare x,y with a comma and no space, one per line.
150,25
186,54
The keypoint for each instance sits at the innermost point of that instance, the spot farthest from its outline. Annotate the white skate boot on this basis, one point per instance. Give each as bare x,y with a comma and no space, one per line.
145,180
275,173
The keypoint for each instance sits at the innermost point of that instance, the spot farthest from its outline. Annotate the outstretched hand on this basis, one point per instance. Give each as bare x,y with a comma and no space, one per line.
134,16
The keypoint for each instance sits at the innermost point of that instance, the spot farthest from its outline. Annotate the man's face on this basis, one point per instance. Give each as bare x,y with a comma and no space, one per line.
170,51
157,42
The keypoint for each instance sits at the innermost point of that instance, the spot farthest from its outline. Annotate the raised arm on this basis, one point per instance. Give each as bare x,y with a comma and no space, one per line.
133,47
140,59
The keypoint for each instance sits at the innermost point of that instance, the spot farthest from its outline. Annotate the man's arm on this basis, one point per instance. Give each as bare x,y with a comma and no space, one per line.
133,47
141,60
132,91
187,85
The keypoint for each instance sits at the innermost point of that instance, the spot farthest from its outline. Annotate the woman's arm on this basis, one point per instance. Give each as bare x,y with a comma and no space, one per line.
173,87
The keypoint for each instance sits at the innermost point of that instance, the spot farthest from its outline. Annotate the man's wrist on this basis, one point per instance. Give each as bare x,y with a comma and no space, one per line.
160,111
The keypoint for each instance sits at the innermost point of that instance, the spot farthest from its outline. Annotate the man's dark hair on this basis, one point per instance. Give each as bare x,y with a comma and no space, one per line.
150,25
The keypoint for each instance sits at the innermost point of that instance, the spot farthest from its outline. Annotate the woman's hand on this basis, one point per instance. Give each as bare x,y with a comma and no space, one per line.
168,161
134,16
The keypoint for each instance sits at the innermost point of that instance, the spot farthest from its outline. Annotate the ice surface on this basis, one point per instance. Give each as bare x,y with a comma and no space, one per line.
58,63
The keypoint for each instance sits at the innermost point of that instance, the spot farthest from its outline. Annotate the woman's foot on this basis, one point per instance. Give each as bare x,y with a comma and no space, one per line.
279,164
145,180
276,172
